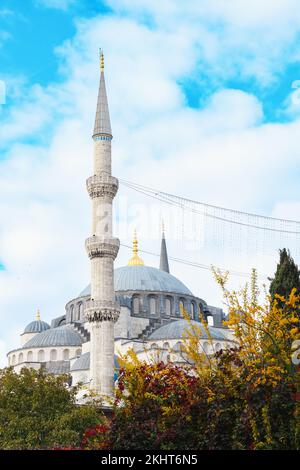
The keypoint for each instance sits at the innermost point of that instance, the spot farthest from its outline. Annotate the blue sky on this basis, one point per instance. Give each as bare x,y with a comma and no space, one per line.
32,30
202,104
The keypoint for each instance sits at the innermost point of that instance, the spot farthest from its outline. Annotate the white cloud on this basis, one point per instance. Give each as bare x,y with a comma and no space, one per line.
223,154
252,38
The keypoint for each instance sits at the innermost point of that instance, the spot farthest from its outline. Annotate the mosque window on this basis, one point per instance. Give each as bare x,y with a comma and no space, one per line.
218,347
200,312
65,354
210,320
153,346
181,307
72,313
166,346
78,352
41,355
30,356
193,311
136,305
20,358
152,305
13,359
168,306
206,348
53,355
80,311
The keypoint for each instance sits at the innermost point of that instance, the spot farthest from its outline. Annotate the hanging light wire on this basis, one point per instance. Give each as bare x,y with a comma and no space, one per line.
182,202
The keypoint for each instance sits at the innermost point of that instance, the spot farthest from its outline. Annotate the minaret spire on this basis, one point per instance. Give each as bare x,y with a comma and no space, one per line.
164,262
102,311
102,119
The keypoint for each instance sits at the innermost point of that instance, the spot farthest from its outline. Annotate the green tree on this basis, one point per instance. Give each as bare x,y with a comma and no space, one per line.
38,411
286,276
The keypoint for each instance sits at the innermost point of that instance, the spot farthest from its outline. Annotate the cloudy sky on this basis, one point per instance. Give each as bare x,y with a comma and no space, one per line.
205,103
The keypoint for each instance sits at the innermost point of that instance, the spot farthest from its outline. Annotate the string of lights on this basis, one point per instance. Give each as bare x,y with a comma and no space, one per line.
271,224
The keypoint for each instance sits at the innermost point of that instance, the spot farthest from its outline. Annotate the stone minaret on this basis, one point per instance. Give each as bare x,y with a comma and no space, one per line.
102,311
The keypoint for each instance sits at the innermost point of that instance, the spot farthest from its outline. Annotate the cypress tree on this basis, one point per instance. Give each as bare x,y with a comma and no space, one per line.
286,276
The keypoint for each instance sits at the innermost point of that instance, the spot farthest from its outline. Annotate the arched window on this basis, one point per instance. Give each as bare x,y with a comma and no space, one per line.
206,348
53,355
153,346
193,311
166,346
80,311
78,352
200,312
181,307
30,356
72,313
13,359
65,354
20,358
210,320
168,306
136,305
152,305
41,355
218,347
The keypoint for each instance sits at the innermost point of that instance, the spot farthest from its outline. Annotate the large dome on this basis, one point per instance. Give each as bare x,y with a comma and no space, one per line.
144,278
61,336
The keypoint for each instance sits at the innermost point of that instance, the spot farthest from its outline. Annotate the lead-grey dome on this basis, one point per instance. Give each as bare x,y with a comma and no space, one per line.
61,336
36,326
177,330
144,278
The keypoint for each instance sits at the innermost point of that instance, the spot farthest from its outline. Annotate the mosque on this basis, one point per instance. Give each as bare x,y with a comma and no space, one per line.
132,307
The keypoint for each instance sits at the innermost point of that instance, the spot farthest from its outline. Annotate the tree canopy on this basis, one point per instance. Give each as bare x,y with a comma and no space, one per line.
38,411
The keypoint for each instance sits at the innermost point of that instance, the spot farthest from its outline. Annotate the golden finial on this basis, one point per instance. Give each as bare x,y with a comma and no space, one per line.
101,61
38,315
135,260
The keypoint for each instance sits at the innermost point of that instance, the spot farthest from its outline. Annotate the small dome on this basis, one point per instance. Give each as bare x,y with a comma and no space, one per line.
83,362
61,336
36,326
144,278
177,330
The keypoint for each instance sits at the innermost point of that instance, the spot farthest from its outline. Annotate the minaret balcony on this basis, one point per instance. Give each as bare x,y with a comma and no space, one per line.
102,310
100,247
102,185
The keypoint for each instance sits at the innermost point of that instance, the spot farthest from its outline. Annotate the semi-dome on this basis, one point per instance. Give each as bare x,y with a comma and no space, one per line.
177,330
144,278
61,336
36,326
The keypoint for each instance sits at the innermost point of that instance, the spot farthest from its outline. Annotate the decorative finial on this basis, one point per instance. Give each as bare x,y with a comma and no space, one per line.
101,61
135,260
163,226
38,315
